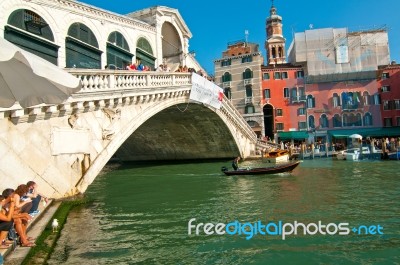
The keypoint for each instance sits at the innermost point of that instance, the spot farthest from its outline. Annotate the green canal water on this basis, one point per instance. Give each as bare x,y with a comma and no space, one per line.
140,215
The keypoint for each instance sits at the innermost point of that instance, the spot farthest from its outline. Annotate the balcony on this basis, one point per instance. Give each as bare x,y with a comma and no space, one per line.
248,100
248,81
226,84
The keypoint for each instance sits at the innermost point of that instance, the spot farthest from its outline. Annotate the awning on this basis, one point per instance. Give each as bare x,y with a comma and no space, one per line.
295,135
366,132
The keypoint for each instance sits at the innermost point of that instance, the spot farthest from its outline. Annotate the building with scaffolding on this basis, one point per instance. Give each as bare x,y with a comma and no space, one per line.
341,78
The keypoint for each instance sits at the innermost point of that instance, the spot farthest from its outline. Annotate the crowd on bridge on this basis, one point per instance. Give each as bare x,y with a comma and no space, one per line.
18,208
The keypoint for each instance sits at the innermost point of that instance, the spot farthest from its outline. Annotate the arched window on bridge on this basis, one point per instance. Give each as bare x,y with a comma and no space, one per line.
118,53
82,48
31,32
144,53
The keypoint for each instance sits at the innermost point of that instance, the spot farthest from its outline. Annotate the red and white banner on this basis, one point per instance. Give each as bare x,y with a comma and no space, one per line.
206,92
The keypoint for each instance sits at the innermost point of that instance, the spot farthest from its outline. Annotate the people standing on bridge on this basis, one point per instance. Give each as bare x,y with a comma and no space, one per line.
235,163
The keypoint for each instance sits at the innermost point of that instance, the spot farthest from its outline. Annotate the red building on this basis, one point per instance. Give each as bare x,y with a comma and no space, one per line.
389,89
284,102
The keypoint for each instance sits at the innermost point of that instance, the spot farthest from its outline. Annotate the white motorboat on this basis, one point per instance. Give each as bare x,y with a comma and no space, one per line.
352,154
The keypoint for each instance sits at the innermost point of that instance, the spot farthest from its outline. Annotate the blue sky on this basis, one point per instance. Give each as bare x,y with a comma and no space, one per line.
214,23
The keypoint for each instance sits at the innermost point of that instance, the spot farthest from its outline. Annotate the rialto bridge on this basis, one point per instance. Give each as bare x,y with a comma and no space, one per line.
128,115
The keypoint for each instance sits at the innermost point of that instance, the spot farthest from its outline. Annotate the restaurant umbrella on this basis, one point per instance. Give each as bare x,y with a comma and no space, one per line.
30,80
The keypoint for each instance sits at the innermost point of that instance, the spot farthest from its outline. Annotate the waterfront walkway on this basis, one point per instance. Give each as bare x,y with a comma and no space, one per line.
35,228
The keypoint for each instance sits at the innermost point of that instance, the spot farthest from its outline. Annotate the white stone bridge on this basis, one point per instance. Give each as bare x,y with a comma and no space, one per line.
126,115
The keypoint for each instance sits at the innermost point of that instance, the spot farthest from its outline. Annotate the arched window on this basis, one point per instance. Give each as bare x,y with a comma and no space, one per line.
358,120
337,121
118,53
324,121
247,74
345,120
310,101
311,122
144,53
227,77
368,119
82,48
31,32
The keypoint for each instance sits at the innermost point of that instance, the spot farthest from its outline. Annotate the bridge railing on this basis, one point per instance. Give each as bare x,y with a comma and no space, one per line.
109,80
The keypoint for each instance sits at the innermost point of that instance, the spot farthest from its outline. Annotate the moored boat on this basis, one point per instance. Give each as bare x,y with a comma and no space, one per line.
287,167
277,156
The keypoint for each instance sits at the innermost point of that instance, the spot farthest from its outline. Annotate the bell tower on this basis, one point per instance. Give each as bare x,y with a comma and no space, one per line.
275,43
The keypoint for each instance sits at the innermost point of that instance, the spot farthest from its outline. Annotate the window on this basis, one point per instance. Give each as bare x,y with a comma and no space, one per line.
249,109
358,120
324,121
286,92
302,125
284,75
337,121
226,62
385,88
247,74
398,121
294,94
302,93
386,105
266,76
345,120
300,74
311,122
397,104
277,75
310,101
279,126
249,91
377,99
247,59
267,93
335,100
226,77
228,93
301,111
387,122
279,112
385,75
367,119
366,98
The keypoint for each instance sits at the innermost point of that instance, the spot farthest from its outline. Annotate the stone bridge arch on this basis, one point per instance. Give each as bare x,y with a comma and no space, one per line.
115,116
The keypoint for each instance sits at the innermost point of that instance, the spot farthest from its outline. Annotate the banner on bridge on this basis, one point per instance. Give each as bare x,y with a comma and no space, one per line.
206,92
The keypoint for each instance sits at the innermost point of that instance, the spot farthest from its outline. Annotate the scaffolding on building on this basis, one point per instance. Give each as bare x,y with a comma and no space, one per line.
334,55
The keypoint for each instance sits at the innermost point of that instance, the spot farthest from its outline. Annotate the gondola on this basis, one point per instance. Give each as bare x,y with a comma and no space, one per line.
287,167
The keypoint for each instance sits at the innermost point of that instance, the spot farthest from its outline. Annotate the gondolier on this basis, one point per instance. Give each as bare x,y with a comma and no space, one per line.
235,163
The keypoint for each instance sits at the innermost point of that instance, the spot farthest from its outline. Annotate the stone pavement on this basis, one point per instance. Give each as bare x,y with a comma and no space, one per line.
35,228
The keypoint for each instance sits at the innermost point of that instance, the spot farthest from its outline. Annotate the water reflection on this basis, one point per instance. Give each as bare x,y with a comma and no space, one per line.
140,215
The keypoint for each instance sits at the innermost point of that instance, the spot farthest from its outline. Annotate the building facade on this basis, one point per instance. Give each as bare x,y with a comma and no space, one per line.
389,88
72,34
238,72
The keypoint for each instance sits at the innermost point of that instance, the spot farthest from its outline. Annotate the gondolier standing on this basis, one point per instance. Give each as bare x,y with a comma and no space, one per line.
235,163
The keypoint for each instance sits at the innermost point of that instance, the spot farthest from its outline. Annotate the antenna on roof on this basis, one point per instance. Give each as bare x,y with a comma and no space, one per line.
246,33
311,26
